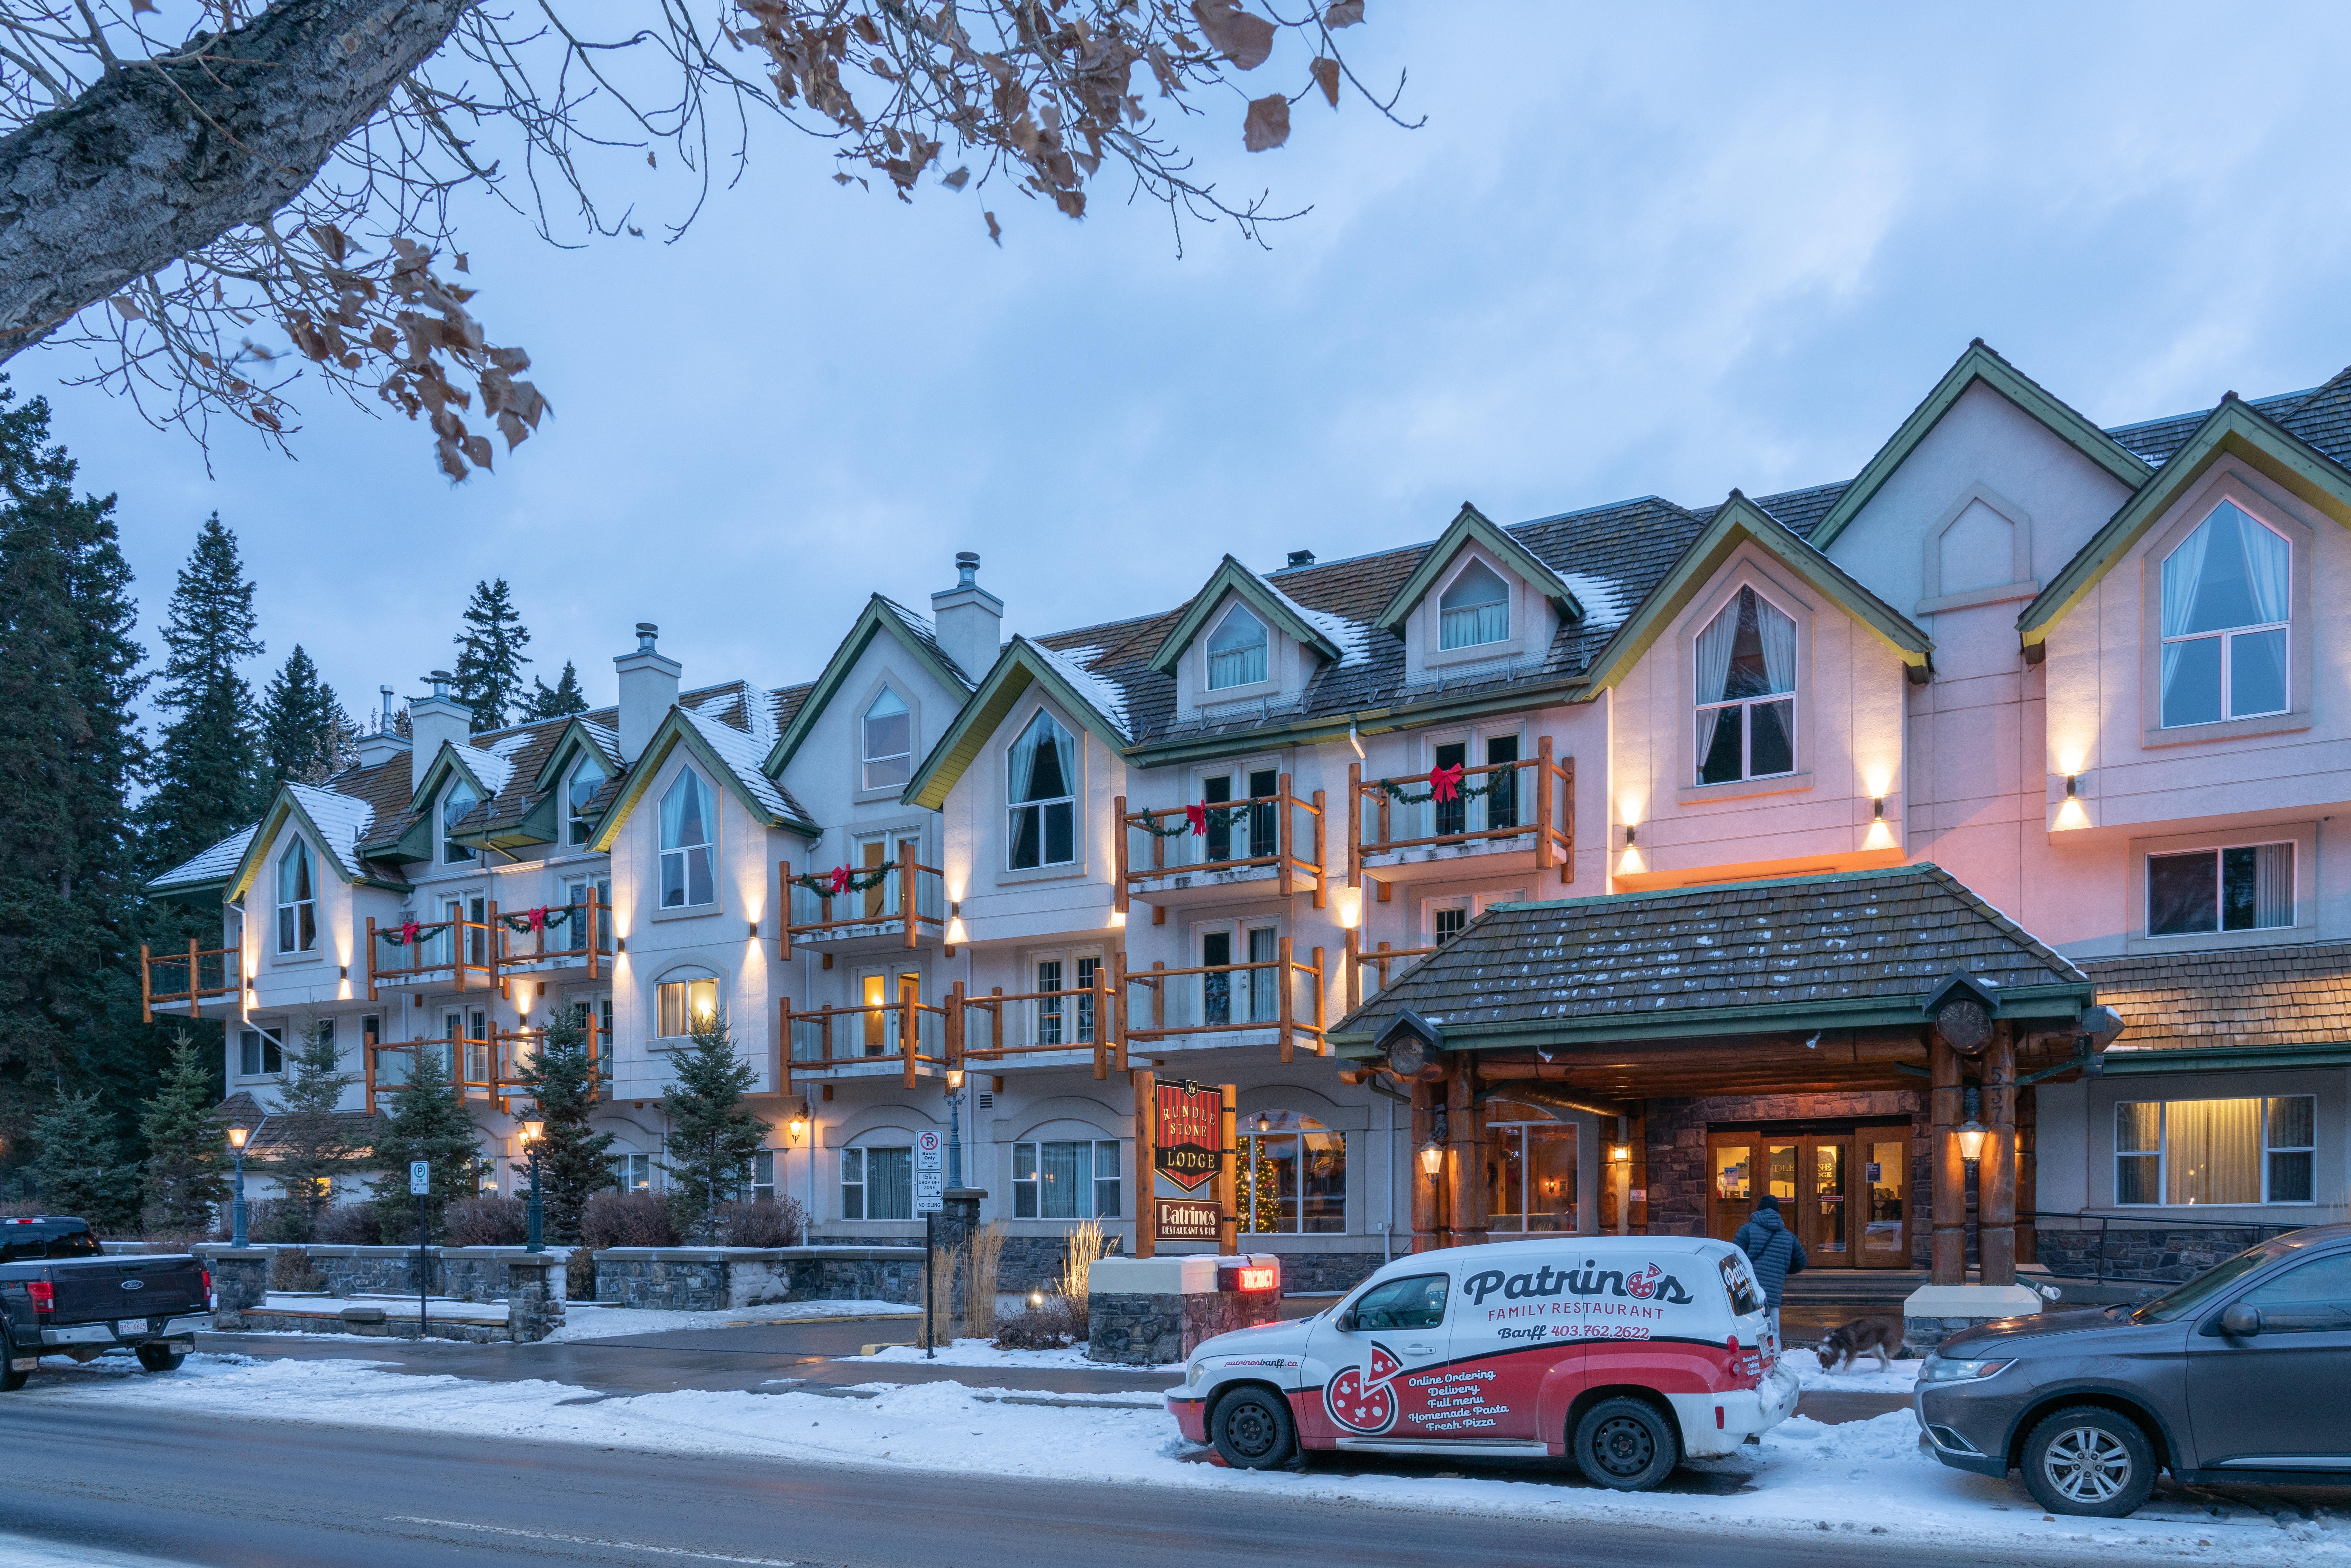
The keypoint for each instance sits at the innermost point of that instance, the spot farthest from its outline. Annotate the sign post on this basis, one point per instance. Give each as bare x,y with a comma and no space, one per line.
420,1183
1147,1163
930,1198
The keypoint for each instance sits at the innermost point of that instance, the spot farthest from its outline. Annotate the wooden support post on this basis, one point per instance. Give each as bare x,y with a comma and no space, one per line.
783,1044
1118,857
1354,824
783,913
1567,850
490,945
1229,1183
593,937
1322,1014
1425,1218
1322,856
1159,914
1285,837
1996,1173
1282,1013
1636,1197
1543,804
1464,1173
1158,995
2028,1175
147,996
1101,1025
193,1004
1118,1005
906,900
1948,1263
906,1033
1351,955
1147,1163
954,1029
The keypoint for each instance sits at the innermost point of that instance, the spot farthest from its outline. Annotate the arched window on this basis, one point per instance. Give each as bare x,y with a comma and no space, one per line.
2227,593
1293,1175
1476,608
889,731
586,779
685,1001
459,801
1237,651
1042,786
687,835
298,905
1746,692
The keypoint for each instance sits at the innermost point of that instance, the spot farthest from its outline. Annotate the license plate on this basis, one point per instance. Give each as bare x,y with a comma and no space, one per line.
130,1326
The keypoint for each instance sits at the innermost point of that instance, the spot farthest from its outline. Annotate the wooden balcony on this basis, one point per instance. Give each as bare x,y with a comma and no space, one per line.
1217,839
1234,999
820,919
1533,799
1046,1023
487,1070
556,936
196,977
821,1042
1382,957
424,951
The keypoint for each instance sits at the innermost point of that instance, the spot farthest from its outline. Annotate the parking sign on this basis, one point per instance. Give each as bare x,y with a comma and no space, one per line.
930,1173
420,1177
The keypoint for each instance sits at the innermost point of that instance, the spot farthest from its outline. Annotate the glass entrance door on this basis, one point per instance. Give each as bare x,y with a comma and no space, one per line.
1827,1233
1844,1193
1885,1186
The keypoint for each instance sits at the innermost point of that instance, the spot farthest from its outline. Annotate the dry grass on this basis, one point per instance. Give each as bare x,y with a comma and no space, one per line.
1085,1244
982,1266
938,1323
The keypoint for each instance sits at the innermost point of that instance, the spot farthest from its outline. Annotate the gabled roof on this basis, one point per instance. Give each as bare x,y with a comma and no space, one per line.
729,754
338,823
1097,704
575,735
1979,363
1468,524
1737,521
2229,1008
208,869
2236,429
881,615
1275,607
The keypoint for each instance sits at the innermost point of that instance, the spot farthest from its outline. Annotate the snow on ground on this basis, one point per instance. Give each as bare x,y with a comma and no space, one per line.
1853,1377
587,1320
979,1352
1866,1477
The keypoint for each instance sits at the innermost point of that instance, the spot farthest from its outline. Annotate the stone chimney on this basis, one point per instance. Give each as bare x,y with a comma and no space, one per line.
382,743
431,721
648,690
969,618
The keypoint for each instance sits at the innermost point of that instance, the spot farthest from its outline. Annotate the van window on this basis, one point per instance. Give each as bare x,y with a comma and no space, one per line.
1417,1302
1739,1286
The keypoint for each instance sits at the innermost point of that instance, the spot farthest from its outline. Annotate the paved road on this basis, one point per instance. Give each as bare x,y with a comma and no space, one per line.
99,1485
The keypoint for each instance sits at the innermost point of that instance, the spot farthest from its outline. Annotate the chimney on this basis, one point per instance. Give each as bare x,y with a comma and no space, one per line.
648,690
431,721
969,618
383,742
1298,557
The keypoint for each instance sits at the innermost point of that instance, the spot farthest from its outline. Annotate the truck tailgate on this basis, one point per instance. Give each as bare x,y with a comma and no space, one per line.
90,1289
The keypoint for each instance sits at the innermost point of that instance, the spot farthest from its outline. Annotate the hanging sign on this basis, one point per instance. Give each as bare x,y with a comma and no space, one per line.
1188,1121
930,1173
1186,1219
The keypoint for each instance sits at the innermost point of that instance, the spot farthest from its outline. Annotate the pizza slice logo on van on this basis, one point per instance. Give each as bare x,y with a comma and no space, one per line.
1382,1365
1362,1406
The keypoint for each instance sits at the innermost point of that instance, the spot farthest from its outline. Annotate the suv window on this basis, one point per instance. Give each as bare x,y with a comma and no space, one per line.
2309,1298
2190,1298
31,1244
1417,1302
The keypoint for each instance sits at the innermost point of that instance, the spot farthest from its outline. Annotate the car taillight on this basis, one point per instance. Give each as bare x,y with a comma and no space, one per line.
208,1284
44,1294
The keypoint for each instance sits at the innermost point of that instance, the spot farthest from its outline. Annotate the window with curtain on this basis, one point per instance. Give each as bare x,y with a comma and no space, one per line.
1293,1175
1746,665
1237,651
688,836
2186,1152
586,779
1043,789
682,1004
1242,835
1530,1175
889,735
2227,593
459,801
877,1184
2249,887
260,1052
1475,609
1076,1179
297,901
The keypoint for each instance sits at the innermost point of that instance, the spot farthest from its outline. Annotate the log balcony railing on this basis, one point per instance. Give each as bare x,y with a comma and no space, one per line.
421,951
201,975
1381,958
582,935
1043,1023
488,1069
1234,999
817,919
913,1033
1230,841
1533,797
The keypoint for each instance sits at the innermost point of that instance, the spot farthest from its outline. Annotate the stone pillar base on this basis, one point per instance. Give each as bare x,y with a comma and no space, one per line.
1932,1314
1154,1311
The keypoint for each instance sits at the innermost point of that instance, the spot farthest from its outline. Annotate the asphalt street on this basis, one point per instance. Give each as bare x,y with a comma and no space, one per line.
101,1485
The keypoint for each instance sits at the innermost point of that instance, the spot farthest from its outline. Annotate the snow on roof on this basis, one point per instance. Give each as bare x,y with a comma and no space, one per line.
605,736
1105,696
1602,599
1352,638
742,753
215,864
494,763
341,820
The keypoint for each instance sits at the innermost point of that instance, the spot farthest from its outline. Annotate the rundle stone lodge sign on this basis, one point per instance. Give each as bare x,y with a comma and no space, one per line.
1189,1128
1187,1133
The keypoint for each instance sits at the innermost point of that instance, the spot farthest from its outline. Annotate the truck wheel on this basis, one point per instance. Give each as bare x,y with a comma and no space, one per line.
161,1358
1253,1430
11,1379
1624,1445
2089,1461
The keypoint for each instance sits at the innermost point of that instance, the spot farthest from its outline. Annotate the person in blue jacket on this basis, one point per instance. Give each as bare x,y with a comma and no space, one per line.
1776,1253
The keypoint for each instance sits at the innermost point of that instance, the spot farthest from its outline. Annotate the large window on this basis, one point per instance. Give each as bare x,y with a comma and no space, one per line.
1530,1177
586,779
685,1004
2227,592
1746,664
2247,888
877,1184
1066,1020
1242,835
459,801
1077,1179
888,731
2187,1152
688,836
1247,996
575,896
297,901
260,1051
1476,608
1043,789
1293,1177
1237,650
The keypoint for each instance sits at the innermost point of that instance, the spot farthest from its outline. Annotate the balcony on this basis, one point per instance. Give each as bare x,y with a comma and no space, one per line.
424,952
1234,999
1004,1026
1383,958
488,1070
861,1042
556,936
196,977
1494,808
1212,845
853,908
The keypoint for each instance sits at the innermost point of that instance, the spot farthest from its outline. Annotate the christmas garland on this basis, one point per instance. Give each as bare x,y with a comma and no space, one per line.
1195,821
1447,785
409,934
841,879
538,919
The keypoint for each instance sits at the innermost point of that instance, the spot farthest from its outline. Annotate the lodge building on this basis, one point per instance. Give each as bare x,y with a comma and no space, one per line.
1622,865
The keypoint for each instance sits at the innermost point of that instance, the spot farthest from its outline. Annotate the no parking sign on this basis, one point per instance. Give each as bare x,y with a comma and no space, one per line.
930,1173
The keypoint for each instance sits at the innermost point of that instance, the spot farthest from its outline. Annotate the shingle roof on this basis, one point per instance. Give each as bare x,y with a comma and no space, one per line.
218,864
1673,958
2236,996
2158,439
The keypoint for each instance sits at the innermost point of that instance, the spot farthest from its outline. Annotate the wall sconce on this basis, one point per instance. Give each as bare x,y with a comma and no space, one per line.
955,908
1431,1159
1351,908
347,971
1629,839
1971,1131
755,930
1620,1154
620,944
2073,786
1878,809
799,1125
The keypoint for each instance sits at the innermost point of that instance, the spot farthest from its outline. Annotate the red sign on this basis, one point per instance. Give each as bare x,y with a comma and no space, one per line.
1186,1219
1188,1142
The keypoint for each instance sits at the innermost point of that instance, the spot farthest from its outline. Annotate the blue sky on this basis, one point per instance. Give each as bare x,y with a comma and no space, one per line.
1670,251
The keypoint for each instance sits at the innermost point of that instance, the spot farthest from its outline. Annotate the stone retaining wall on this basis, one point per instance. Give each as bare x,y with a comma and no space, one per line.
468,1273
2156,1254
716,1279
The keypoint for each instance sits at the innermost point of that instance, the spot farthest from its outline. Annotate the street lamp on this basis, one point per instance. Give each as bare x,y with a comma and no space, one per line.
532,1129
237,1135
955,1128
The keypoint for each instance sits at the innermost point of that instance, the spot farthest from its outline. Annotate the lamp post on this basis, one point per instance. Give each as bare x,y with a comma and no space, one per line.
532,1129
237,1135
954,1129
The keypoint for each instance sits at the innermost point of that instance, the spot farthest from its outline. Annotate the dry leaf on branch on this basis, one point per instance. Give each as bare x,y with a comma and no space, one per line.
1343,13
1267,124
1326,76
1247,39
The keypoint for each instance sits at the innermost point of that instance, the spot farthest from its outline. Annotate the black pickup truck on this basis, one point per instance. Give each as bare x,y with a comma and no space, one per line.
61,1295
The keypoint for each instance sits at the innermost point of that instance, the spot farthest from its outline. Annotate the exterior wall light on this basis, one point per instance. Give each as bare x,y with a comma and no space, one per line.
2073,786
1629,839
1620,1154
1431,1159
1971,1138
1878,809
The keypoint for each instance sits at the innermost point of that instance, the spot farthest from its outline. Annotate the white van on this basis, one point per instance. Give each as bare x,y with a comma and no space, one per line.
1624,1352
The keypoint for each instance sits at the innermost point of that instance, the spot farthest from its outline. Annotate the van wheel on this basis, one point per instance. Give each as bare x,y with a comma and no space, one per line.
1624,1445
11,1379
161,1358
2089,1461
1253,1430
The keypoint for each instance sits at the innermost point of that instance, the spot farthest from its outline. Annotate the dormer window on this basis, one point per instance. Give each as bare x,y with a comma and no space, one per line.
586,779
1475,609
888,729
298,905
687,839
1746,664
459,801
1042,788
1237,651
2227,594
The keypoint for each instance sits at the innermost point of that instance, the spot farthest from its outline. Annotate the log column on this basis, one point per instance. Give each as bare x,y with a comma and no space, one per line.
2028,1181
1949,1262
1996,1171
1423,1190
1464,1175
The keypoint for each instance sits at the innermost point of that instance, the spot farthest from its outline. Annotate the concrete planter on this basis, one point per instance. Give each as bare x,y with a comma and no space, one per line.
1151,1312
1933,1313
528,1285
722,1279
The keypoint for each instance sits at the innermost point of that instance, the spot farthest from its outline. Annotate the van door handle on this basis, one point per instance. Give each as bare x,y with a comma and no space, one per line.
1420,1350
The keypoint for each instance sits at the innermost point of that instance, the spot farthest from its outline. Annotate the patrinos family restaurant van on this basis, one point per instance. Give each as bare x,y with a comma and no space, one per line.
1625,1354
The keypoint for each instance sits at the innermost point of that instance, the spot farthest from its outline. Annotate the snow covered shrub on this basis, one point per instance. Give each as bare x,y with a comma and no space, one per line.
290,1268
1055,1324
626,1219
762,1222
491,1221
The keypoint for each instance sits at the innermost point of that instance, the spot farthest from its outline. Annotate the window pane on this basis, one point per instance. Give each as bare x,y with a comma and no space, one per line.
889,1184
1415,1304
1106,1180
1503,789
2135,1179
2181,897
2191,682
1452,815
1448,924
2290,1178
1771,739
2313,1298
699,888
1237,651
1061,833
1027,840
2237,906
2138,1127
1718,755
1550,1179
2214,1149
1322,1183
2294,1122
2257,673
1067,1172
1264,948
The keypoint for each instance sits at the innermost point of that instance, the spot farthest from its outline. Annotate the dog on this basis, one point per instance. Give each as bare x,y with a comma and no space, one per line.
1845,1345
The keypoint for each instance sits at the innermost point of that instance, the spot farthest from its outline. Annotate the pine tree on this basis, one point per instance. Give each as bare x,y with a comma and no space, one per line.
561,700
305,733
423,1120
712,1136
574,1163
79,1167
209,778
184,1135
490,656
313,1144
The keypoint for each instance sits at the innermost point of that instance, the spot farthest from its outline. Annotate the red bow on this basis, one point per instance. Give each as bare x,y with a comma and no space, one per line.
408,933
1196,815
1445,783
538,919
840,879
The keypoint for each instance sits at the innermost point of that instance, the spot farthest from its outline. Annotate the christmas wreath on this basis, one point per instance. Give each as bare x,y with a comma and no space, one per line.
408,935
1446,785
841,879
538,919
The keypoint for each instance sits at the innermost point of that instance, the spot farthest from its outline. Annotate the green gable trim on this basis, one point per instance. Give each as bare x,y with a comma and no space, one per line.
877,616
1979,363
1016,668
1737,522
673,733
450,757
2124,1063
283,806
2235,429
1232,576
576,739
1468,524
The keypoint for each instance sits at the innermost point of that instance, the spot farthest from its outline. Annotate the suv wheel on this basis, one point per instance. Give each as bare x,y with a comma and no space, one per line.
1253,1430
160,1357
2089,1461
1624,1445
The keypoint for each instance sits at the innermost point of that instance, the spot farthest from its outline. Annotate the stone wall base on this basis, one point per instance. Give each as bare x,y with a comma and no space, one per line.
1160,1329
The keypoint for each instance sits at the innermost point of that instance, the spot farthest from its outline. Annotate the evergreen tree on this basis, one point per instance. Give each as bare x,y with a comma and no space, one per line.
185,1140
79,1164
209,776
712,1136
574,1163
314,1144
561,700
490,656
305,733
423,1120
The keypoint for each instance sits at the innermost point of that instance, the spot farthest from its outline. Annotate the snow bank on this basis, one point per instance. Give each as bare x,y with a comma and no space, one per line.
586,1320
979,1352
1853,1377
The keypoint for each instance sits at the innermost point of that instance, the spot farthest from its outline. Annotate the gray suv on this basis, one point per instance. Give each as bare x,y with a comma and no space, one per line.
2241,1374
